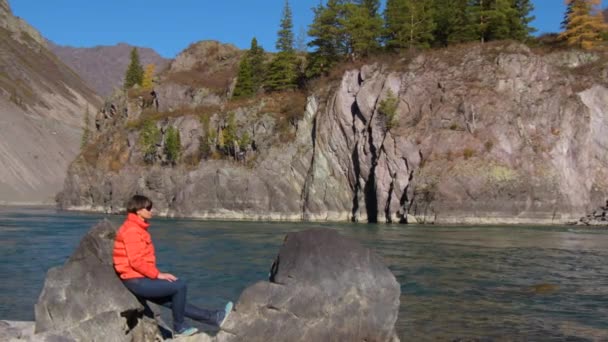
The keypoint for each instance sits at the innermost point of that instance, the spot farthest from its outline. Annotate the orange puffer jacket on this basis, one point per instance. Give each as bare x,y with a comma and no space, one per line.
133,250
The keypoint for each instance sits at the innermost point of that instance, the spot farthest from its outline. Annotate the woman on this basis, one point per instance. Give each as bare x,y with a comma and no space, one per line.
135,263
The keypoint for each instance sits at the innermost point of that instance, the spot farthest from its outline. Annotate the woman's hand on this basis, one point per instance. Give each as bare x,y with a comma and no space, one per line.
166,276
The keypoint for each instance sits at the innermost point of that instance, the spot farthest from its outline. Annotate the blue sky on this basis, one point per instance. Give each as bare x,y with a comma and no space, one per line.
170,26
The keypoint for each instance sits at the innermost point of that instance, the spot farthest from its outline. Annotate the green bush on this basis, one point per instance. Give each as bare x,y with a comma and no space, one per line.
468,153
148,139
172,145
388,108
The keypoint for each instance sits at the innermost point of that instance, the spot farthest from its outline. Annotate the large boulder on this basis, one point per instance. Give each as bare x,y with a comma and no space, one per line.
84,300
322,287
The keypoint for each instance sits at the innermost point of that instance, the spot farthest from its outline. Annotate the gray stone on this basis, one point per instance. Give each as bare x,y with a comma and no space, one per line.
85,300
323,287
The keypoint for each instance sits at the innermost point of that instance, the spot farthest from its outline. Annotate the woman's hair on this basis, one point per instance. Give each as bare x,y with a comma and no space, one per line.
138,202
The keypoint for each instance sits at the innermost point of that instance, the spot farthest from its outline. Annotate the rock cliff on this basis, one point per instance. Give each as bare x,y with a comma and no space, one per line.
42,109
477,134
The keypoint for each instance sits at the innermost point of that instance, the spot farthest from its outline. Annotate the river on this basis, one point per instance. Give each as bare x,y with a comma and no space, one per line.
485,283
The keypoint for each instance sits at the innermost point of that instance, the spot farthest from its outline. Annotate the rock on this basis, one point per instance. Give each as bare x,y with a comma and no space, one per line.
598,217
323,287
84,298
14,330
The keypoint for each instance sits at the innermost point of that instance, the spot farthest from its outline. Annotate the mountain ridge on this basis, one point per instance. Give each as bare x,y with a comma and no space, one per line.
103,67
42,109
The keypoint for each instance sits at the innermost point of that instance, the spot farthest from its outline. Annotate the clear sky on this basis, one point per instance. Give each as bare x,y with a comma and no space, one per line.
170,26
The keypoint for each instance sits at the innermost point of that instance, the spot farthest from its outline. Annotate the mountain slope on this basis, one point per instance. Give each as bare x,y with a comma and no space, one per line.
42,109
103,67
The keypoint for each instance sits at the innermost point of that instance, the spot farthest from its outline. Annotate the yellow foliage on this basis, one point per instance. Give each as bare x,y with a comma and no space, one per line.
148,81
584,23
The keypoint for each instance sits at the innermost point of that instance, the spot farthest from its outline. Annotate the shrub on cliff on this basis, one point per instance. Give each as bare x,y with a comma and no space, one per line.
172,145
148,139
388,108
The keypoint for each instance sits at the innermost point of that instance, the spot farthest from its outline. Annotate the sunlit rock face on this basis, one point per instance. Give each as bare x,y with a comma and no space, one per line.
493,133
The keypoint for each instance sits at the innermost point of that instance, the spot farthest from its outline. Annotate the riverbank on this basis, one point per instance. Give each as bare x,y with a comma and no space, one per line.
491,219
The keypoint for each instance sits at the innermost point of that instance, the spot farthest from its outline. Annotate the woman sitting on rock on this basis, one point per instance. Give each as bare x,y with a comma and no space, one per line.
135,263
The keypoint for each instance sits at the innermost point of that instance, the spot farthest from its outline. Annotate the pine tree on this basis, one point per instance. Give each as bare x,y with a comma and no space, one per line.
256,60
86,131
285,41
480,14
282,72
583,24
451,21
244,84
362,27
326,39
520,24
409,23
135,72
148,79
172,145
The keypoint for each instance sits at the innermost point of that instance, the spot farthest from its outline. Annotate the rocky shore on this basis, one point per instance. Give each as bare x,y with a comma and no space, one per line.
321,287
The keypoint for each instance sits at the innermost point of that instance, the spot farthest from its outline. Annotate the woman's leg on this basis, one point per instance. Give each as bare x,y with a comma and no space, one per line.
162,292
209,317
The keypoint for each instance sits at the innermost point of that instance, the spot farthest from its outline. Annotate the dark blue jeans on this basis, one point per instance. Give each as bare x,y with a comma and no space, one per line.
171,295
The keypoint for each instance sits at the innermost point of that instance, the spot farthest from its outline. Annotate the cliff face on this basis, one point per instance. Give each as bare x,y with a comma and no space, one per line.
493,133
42,109
103,67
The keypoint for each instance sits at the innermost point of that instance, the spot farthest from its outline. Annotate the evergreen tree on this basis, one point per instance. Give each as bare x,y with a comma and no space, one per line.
326,39
148,78
135,72
172,145
362,27
583,24
409,23
480,14
244,84
285,41
282,72
86,131
451,21
256,60
520,24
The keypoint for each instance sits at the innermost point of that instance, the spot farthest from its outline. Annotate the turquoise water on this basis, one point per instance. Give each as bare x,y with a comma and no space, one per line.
456,282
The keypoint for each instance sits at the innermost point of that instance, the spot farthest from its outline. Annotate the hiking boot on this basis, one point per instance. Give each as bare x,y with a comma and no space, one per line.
187,332
225,314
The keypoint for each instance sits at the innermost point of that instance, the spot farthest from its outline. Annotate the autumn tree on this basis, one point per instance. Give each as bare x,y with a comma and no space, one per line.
148,79
583,23
135,72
